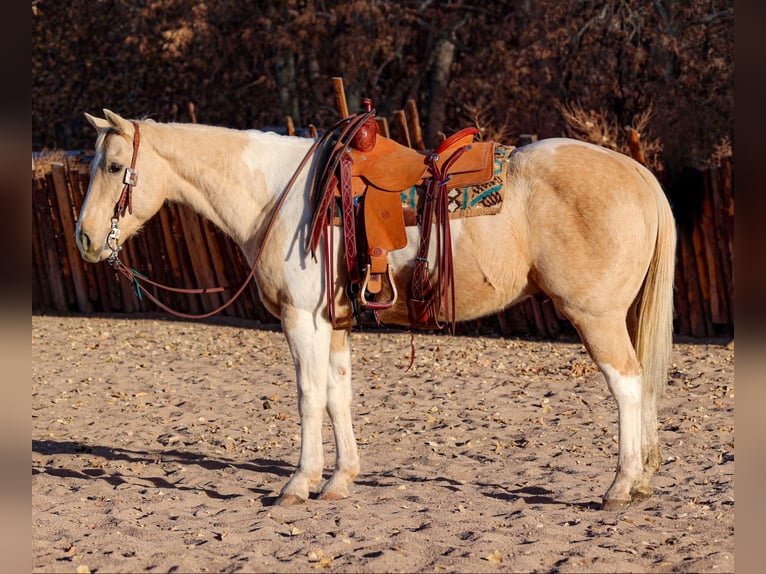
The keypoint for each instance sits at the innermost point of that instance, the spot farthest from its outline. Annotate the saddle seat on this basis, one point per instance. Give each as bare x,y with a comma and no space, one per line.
391,166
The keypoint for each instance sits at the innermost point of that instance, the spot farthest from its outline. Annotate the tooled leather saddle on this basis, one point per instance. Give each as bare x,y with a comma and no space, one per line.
359,186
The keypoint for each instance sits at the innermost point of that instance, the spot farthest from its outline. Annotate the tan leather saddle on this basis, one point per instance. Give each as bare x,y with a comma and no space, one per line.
365,176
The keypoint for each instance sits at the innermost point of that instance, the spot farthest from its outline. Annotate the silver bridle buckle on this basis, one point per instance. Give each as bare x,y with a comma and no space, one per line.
111,241
130,177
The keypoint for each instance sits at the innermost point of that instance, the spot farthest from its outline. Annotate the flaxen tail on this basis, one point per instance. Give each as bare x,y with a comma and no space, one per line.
654,331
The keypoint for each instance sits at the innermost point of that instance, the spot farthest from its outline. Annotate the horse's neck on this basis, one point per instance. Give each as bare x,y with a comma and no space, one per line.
233,177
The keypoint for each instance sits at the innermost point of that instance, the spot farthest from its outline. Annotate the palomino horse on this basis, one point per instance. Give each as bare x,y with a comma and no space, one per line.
587,226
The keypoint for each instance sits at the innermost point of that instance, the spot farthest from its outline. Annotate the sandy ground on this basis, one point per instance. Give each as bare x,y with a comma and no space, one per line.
160,446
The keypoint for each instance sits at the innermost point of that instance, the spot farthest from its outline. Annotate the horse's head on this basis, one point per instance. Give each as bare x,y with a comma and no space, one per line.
114,178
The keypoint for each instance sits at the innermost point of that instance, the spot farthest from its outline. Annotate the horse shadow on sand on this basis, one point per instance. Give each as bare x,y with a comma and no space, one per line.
178,456
530,494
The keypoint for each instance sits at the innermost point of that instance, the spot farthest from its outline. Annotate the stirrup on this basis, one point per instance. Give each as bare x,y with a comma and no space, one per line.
378,305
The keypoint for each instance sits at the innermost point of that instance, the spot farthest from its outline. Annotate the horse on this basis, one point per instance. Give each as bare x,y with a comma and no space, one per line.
586,226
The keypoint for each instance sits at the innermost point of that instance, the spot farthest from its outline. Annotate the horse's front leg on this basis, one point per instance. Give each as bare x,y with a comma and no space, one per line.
309,342
339,396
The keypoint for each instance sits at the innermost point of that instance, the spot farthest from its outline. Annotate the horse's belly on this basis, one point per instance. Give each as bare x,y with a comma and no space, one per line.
490,272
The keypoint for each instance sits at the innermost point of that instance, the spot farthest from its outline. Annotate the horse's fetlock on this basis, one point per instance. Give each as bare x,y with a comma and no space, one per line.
653,460
641,492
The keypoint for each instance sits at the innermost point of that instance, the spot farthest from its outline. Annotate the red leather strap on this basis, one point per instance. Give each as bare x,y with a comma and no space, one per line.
469,131
425,305
349,220
125,203
321,187
420,283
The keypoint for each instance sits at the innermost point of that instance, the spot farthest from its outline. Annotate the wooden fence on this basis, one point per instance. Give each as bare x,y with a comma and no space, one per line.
179,248
703,205
176,247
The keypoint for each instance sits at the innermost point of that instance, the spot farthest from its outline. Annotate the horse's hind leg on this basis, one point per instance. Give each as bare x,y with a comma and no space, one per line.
607,340
339,396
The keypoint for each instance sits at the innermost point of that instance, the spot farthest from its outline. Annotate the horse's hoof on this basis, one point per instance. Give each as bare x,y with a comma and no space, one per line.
289,500
330,495
612,504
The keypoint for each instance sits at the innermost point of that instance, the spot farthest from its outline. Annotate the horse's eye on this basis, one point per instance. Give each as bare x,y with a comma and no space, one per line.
114,168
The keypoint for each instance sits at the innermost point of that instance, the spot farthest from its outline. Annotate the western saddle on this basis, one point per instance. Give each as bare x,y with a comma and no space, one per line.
358,186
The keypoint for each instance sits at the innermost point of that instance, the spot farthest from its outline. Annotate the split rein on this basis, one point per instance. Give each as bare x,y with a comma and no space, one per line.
125,204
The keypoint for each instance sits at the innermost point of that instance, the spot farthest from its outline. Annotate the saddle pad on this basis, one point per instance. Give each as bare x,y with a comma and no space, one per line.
472,200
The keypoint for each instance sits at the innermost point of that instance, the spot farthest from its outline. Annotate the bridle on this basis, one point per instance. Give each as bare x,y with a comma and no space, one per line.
125,204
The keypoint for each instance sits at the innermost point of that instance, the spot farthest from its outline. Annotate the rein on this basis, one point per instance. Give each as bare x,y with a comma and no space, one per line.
136,279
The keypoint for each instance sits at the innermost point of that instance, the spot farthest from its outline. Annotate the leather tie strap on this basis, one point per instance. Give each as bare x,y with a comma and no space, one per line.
349,220
321,186
329,173
424,304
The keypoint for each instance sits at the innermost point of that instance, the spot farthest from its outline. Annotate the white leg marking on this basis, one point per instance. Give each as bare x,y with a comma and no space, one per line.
627,392
309,344
339,397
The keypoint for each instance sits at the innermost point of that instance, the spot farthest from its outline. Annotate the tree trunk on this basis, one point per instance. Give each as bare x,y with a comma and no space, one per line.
287,86
438,79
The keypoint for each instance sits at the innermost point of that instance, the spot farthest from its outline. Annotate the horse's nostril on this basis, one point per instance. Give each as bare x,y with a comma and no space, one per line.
84,241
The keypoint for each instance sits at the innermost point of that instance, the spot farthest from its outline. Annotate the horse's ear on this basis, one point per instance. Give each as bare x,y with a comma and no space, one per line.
98,123
119,123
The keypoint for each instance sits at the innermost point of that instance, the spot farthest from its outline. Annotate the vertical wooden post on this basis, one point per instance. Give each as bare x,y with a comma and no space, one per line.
681,295
687,260
383,127
417,133
400,122
727,225
340,97
701,268
198,254
179,238
73,263
216,260
55,297
537,313
78,186
634,145
130,302
549,316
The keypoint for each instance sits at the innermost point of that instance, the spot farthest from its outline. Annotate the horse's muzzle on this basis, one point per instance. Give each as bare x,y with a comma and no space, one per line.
85,245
